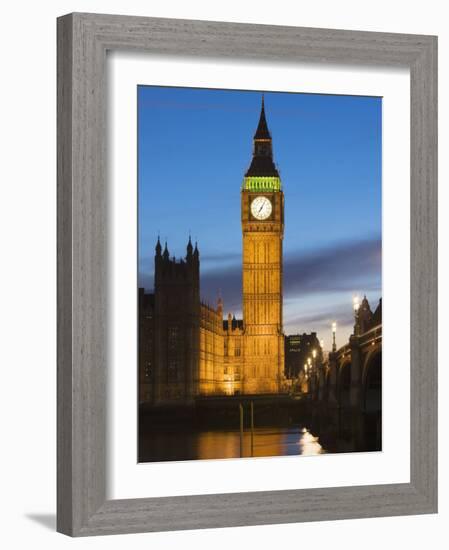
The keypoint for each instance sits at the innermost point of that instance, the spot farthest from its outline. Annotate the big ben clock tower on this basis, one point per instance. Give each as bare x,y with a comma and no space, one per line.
262,213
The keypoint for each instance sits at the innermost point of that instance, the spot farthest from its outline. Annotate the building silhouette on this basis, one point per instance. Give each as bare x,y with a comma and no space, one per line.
186,347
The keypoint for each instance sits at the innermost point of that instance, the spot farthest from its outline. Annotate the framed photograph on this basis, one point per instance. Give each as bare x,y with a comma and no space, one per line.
250,381
247,280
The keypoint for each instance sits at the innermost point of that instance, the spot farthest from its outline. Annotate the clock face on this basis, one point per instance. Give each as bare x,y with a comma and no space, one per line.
261,208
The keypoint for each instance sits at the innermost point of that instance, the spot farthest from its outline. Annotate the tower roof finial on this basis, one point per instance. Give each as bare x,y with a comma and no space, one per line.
262,131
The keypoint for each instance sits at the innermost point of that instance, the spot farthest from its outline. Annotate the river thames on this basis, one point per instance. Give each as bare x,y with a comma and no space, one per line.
157,446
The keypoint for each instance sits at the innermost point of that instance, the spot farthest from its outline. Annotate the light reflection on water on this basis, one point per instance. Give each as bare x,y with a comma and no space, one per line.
226,444
309,444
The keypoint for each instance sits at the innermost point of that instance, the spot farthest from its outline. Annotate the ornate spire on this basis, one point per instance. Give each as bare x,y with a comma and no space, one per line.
189,247
365,304
262,131
219,301
364,317
158,247
262,164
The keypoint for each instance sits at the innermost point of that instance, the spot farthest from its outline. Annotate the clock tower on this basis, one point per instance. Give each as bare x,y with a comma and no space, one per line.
262,215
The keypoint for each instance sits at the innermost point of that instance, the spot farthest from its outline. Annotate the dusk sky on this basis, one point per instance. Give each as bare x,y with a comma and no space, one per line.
194,147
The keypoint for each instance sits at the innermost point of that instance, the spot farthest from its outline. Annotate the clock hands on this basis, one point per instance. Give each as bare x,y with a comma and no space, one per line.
261,208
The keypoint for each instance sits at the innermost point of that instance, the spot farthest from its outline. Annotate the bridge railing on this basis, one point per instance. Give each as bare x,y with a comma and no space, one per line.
370,335
344,350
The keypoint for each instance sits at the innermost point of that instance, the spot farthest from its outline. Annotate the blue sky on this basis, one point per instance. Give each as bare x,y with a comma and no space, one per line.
194,146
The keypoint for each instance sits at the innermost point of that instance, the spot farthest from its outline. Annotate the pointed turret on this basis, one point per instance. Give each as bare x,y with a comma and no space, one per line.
262,132
189,248
364,317
262,165
158,247
377,315
166,254
365,309
220,304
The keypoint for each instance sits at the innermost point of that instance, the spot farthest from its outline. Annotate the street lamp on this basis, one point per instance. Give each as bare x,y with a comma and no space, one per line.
306,379
322,349
334,332
309,370
314,366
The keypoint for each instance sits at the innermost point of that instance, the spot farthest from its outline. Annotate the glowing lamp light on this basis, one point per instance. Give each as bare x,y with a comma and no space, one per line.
334,330
314,353
309,361
356,303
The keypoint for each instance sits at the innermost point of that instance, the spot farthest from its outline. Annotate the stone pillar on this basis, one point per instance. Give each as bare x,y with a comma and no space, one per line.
321,382
314,380
333,365
356,373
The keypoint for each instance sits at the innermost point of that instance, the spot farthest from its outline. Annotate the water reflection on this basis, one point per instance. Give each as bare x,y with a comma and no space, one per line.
309,444
212,444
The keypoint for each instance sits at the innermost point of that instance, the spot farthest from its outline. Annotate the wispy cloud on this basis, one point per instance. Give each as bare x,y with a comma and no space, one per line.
344,267
325,316
339,269
219,257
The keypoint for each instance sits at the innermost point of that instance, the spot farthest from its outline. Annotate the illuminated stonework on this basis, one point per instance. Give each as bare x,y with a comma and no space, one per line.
186,348
262,270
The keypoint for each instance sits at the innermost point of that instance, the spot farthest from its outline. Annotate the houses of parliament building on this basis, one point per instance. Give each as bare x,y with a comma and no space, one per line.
187,348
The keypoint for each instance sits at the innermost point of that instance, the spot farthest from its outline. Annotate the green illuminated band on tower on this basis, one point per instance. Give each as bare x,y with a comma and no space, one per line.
262,183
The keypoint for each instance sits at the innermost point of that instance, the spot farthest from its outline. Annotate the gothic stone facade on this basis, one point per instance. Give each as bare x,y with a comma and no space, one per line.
186,348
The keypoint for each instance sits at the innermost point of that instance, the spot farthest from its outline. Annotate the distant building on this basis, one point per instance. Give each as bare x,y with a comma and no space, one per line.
298,348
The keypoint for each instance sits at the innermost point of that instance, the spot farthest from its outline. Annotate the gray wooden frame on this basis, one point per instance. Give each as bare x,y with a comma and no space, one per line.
83,40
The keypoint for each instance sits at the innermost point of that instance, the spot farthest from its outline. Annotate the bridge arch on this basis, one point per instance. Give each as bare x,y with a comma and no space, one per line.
372,398
372,381
323,380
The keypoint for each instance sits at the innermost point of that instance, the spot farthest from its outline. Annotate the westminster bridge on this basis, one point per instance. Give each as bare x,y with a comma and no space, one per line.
352,375
345,388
